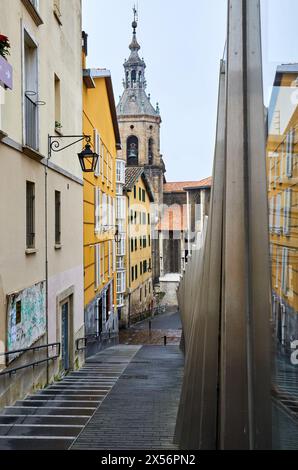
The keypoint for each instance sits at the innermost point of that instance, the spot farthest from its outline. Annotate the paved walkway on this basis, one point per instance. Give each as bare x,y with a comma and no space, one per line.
167,324
140,411
125,397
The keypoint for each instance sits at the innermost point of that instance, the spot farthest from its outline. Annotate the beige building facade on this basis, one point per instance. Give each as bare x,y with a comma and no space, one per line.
41,198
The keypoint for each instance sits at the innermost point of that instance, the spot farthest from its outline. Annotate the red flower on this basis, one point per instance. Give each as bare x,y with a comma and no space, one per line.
3,38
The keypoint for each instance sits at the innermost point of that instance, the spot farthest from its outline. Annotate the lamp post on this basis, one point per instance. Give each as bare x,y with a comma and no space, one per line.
87,158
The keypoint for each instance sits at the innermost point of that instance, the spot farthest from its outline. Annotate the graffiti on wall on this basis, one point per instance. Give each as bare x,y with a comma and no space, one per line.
26,317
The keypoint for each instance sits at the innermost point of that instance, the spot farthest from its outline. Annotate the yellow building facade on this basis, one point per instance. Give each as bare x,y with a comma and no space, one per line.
282,169
139,297
100,122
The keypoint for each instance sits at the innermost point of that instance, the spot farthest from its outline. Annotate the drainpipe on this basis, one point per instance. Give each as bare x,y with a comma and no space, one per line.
46,257
188,225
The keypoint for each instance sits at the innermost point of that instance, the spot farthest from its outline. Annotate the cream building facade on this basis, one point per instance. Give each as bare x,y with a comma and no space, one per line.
41,198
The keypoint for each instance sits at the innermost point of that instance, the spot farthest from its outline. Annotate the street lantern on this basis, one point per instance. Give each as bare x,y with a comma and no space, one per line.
117,236
88,159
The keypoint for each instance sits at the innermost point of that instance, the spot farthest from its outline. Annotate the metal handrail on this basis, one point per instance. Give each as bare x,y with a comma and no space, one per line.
85,339
31,364
95,337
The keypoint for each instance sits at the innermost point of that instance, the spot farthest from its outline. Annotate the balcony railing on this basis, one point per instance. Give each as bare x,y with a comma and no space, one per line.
31,120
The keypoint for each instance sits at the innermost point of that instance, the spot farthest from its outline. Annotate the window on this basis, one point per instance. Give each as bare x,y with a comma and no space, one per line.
141,268
141,243
120,200
57,217
31,92
131,245
148,219
140,194
135,192
140,294
132,151
150,151
18,312
132,274
120,250
144,197
149,240
145,291
30,215
120,171
136,271
144,242
120,282
136,244
144,266
133,75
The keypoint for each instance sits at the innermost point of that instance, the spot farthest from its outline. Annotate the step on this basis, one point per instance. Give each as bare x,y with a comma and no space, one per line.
36,430
83,398
45,419
75,389
6,419
70,393
17,410
34,443
57,404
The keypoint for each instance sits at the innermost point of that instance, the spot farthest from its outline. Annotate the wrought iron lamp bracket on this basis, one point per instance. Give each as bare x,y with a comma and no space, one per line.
54,144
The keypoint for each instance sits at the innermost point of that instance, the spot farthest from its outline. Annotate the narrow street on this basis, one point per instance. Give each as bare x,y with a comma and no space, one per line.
102,406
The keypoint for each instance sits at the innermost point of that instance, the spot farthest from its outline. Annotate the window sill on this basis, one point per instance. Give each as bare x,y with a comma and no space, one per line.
32,153
3,135
33,12
31,251
58,246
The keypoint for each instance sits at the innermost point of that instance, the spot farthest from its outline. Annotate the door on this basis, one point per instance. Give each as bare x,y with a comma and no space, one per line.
65,335
99,318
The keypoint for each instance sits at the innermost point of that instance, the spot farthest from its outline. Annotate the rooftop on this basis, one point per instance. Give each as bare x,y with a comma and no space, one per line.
182,186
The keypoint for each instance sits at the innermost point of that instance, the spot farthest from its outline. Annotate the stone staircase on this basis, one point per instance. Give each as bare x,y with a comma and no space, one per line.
54,417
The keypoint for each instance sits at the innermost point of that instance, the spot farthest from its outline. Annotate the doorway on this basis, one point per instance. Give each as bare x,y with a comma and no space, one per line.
65,335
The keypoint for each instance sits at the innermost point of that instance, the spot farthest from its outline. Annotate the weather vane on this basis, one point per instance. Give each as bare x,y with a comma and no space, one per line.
135,12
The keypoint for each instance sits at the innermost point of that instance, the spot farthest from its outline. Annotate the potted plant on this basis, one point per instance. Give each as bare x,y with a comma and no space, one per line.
4,46
58,126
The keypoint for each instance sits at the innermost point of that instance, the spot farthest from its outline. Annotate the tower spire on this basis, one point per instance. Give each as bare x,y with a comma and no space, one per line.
134,46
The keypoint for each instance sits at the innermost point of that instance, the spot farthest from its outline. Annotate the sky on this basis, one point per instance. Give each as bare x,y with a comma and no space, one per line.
182,43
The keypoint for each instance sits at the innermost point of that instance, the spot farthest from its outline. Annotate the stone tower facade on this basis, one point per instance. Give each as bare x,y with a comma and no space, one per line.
139,124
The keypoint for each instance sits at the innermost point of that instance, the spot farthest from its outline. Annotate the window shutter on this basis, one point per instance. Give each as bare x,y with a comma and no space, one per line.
277,215
96,140
97,266
102,161
96,204
287,211
290,139
284,269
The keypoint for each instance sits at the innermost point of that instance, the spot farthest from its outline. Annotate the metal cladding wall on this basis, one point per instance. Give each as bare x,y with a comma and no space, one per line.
225,294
